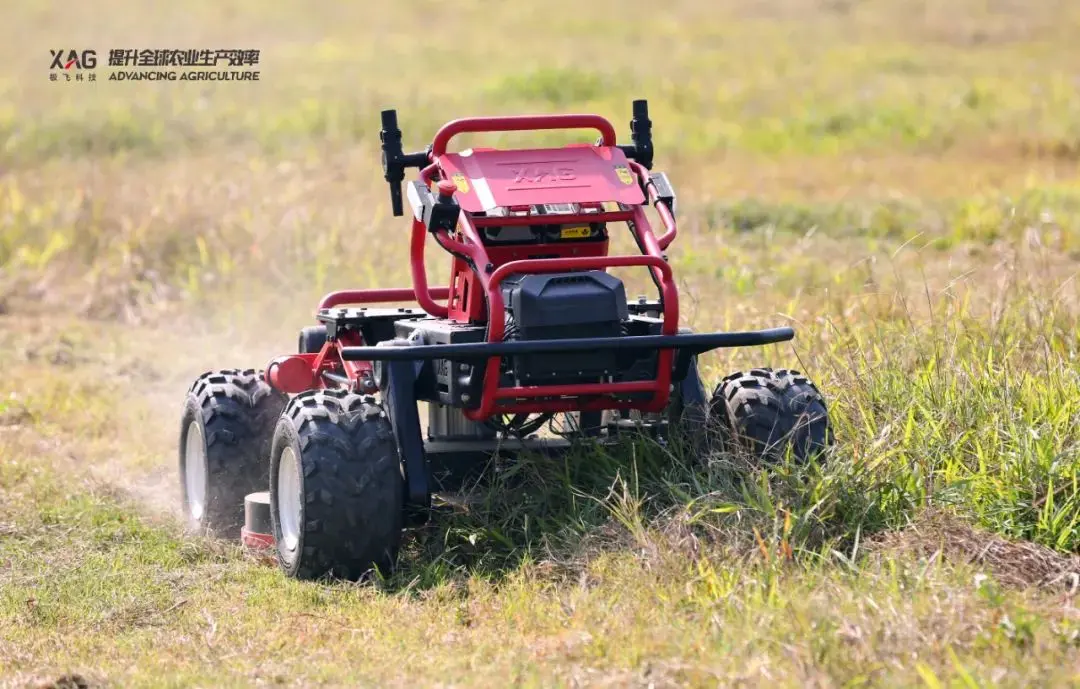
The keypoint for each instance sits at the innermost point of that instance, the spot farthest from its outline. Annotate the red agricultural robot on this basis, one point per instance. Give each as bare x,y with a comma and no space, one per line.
322,455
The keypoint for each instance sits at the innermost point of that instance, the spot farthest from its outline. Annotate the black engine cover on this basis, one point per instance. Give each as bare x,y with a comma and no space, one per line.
564,305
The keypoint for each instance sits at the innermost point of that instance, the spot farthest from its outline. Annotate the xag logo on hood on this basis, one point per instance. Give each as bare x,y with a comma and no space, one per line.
67,59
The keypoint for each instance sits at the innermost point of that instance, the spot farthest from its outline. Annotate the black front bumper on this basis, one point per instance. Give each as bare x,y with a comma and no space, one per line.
695,343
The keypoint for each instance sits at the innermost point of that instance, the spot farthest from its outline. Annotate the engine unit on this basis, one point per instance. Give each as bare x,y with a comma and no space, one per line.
563,305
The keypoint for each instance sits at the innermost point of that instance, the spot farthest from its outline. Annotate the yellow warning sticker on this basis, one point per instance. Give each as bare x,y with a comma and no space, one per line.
624,174
461,182
575,232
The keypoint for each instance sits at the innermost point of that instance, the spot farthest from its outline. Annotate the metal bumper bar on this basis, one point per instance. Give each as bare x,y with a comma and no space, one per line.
697,342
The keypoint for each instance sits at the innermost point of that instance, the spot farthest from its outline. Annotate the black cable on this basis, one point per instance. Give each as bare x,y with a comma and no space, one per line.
519,425
641,247
468,261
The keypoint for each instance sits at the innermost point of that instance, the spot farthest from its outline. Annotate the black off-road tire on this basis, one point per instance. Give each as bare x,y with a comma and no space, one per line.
234,412
770,413
349,489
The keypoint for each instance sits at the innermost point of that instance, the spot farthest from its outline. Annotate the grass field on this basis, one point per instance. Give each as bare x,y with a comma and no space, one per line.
898,180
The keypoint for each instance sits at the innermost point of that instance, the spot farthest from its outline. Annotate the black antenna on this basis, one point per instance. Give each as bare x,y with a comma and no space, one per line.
394,161
641,134
392,164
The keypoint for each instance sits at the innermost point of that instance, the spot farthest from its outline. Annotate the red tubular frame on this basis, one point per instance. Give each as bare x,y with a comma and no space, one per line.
666,216
496,328
466,242
520,123
381,296
471,246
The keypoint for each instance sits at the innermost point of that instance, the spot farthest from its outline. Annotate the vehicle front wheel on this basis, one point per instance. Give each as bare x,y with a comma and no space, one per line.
336,487
771,413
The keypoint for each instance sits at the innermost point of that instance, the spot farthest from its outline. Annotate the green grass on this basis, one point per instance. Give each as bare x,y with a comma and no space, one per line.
751,574
897,180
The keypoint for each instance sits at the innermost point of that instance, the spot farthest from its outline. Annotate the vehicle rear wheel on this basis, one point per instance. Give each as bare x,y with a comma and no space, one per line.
225,433
770,413
336,487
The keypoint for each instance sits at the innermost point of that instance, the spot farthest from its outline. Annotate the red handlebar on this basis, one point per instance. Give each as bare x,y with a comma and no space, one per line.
520,123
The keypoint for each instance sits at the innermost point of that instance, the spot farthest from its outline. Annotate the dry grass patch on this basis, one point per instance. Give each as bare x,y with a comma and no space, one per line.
939,535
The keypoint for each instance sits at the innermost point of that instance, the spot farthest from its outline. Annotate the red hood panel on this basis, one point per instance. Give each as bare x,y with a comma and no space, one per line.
487,179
